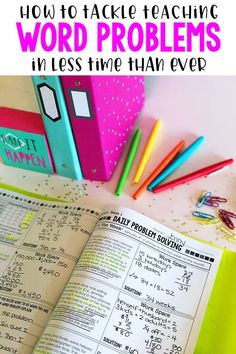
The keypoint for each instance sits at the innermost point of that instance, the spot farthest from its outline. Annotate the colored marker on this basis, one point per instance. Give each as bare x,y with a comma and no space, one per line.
147,152
177,163
196,174
128,163
164,163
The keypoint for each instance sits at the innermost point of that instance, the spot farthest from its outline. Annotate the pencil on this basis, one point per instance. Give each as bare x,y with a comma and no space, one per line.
196,174
177,162
147,151
164,163
128,163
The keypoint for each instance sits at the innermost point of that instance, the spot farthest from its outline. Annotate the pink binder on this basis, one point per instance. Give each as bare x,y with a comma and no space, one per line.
102,110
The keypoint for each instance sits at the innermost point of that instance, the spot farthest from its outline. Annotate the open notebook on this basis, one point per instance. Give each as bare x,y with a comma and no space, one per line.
75,279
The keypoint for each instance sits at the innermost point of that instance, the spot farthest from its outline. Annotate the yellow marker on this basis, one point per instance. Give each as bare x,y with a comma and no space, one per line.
147,151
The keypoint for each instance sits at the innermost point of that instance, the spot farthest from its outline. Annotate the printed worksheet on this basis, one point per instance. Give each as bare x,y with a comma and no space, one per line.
138,288
40,243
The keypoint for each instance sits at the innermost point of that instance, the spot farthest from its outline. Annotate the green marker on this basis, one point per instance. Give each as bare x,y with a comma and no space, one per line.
128,163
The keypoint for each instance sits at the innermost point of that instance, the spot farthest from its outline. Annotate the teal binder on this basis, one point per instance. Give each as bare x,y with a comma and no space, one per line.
57,124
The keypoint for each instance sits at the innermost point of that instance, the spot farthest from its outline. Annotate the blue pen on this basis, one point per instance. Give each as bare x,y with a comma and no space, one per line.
178,162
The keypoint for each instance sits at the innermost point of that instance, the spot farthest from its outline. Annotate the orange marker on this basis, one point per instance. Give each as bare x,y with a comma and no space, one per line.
172,154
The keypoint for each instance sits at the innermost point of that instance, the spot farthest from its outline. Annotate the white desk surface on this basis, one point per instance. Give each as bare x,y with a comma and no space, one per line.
189,107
